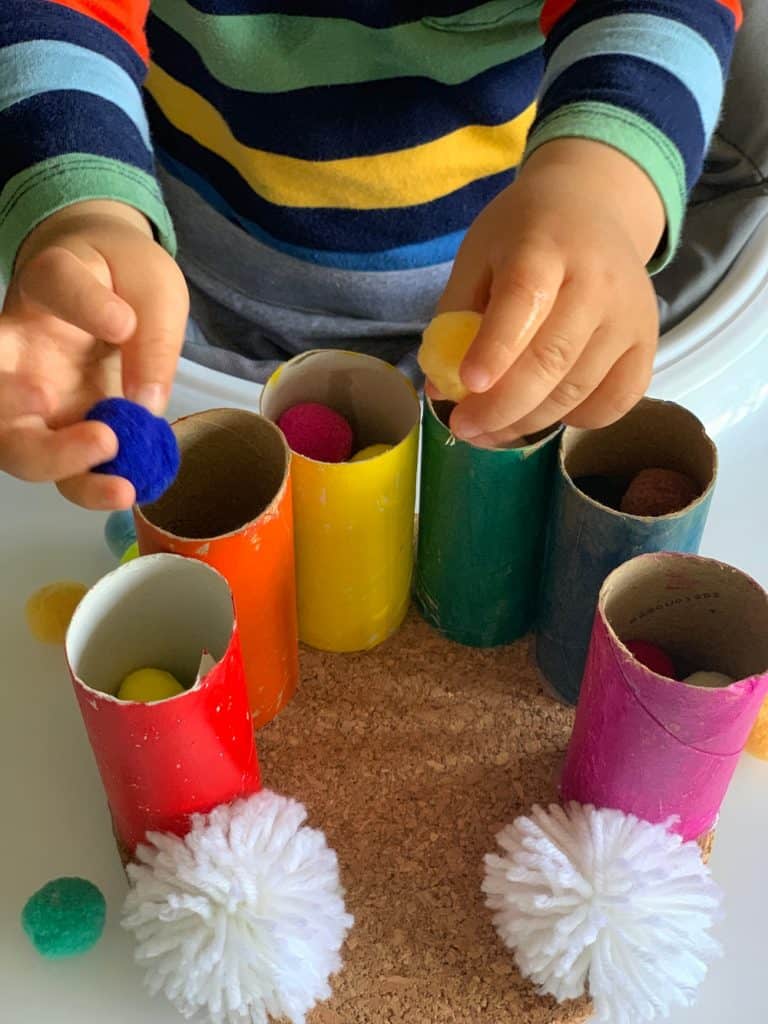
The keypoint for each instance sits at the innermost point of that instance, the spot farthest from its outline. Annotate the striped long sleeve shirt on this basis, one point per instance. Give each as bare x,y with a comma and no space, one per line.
358,135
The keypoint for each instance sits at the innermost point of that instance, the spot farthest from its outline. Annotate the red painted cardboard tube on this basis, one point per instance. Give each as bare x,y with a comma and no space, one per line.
162,762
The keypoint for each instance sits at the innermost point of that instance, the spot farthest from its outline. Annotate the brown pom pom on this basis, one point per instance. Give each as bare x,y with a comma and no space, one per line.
658,492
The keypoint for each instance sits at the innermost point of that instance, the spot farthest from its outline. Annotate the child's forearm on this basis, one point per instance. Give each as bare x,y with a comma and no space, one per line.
72,123
599,176
645,79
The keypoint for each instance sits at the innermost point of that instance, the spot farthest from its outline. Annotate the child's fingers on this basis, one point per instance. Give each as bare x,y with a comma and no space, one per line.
621,389
586,375
98,492
539,372
31,451
159,295
523,294
57,282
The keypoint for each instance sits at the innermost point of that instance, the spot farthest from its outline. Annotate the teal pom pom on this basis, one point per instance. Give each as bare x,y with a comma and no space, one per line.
120,532
64,918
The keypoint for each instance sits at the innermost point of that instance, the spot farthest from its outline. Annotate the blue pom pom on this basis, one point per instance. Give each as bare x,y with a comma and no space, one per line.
120,532
148,455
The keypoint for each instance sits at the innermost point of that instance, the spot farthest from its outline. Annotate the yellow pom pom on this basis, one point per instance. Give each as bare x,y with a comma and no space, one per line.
757,744
50,609
444,345
370,452
147,685
130,553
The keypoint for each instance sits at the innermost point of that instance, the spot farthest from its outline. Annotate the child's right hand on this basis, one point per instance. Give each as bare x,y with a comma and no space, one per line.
95,308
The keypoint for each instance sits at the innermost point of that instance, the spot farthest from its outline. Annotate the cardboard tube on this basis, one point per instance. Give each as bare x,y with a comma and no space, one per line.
162,762
586,540
231,507
354,520
652,746
482,519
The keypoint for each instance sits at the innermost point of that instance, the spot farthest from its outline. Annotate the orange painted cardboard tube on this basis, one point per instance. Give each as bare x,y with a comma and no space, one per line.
231,507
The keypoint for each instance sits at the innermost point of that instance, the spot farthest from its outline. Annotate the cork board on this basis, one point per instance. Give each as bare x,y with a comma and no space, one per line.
411,758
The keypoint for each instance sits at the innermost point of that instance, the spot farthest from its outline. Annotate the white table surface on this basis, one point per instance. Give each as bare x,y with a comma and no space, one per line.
55,820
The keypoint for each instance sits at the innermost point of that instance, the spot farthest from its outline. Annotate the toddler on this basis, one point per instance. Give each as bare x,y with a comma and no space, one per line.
332,174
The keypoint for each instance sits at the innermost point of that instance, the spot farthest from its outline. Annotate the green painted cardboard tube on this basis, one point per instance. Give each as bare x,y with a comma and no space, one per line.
482,519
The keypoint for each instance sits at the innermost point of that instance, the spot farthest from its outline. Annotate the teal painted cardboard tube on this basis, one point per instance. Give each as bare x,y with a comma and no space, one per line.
482,520
587,540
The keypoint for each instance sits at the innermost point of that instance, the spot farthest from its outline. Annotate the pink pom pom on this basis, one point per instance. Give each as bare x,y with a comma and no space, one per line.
652,657
317,432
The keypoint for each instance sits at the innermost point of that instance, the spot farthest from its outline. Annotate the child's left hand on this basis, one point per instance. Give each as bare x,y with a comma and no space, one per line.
557,265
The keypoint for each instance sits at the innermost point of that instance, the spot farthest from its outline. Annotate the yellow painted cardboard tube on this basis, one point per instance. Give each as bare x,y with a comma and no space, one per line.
353,521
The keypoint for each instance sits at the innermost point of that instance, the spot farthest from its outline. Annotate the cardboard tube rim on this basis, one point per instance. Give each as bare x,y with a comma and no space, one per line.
138,567
372,362
266,512
571,433
542,438
614,578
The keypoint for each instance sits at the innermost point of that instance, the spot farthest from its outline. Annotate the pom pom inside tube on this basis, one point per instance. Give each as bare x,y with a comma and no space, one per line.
235,904
598,901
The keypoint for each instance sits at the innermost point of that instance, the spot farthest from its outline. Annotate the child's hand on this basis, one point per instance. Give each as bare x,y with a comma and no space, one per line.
557,265
95,308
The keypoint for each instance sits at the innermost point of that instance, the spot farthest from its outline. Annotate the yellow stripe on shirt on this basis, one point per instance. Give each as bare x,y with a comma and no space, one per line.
405,177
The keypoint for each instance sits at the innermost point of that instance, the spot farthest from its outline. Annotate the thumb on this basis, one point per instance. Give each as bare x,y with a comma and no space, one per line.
152,283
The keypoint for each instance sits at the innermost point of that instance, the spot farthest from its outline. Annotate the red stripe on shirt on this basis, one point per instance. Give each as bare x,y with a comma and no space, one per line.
125,17
734,6
554,10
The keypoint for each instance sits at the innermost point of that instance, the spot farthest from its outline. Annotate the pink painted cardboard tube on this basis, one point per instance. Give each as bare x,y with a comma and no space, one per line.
656,747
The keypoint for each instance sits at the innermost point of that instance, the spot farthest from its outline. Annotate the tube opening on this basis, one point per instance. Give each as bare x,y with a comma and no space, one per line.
707,616
233,465
379,403
159,611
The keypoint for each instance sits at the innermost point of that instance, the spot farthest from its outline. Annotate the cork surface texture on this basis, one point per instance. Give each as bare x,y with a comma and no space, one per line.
411,758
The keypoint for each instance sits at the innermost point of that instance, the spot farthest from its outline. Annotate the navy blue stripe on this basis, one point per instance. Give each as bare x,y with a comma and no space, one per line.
25,20
373,13
321,228
363,119
420,254
642,87
84,124
711,20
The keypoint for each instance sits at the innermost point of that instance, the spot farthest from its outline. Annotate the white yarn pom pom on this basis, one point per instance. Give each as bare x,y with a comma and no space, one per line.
600,900
244,917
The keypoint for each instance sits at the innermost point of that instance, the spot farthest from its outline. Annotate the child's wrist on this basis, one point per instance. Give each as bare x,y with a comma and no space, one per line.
604,179
79,216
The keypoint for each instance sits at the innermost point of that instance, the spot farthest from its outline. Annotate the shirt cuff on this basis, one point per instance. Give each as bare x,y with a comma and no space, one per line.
47,187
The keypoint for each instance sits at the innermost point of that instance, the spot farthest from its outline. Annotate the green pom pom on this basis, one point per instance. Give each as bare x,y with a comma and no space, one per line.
65,918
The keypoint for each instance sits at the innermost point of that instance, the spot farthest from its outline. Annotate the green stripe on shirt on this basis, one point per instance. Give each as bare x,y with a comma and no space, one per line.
47,187
296,52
